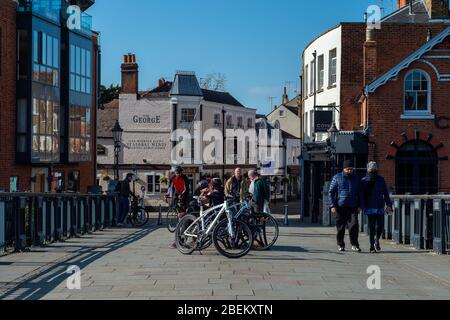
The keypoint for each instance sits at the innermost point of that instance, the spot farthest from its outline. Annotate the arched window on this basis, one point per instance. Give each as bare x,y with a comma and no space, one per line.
417,93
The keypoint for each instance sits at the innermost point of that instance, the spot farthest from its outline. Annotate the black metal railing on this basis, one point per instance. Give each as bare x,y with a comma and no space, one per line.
421,221
34,219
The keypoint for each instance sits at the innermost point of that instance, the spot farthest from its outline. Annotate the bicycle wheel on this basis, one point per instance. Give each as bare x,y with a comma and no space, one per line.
233,247
265,231
172,219
140,218
187,244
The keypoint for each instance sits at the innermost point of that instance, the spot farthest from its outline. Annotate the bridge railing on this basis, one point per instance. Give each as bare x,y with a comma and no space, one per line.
421,221
35,219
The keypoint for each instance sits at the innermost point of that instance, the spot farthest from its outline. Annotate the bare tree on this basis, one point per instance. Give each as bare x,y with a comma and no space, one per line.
214,81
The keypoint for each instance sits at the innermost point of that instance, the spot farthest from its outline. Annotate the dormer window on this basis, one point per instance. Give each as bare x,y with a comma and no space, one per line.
417,95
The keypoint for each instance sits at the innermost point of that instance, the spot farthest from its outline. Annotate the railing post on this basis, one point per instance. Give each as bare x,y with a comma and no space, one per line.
20,239
64,217
418,239
39,224
438,227
2,225
286,215
446,222
103,212
397,234
406,222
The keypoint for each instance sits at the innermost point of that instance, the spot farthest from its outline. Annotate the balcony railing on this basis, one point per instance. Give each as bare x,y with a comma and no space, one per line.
420,221
50,9
54,11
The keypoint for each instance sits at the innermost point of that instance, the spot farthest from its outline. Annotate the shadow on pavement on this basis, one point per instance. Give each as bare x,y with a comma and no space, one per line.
38,285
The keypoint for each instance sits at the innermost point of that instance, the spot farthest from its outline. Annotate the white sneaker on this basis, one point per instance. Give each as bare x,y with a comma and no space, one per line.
356,249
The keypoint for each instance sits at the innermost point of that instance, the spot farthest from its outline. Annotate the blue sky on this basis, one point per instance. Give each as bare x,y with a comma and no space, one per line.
257,44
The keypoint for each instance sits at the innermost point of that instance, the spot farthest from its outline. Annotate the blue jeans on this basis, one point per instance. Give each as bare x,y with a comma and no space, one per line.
124,207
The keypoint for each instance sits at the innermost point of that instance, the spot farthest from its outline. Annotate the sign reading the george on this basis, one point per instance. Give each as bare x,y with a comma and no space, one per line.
323,120
146,119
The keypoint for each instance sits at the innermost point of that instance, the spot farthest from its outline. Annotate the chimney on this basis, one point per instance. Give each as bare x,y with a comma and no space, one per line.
370,57
437,9
285,97
161,82
130,74
402,3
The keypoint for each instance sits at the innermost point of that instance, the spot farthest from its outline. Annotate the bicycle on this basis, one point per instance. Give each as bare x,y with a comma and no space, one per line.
196,233
174,213
139,214
265,228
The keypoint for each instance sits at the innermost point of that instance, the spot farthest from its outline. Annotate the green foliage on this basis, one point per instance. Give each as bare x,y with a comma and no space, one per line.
109,94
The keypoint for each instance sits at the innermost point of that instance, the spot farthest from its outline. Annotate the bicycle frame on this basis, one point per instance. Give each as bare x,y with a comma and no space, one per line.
204,214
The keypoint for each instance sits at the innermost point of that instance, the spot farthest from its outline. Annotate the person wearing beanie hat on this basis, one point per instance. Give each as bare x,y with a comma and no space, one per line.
344,203
374,199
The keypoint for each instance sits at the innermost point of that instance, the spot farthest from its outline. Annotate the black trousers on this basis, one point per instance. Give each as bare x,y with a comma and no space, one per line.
376,227
347,217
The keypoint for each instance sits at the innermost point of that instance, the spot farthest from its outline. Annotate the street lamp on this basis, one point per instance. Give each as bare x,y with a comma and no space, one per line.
333,131
117,136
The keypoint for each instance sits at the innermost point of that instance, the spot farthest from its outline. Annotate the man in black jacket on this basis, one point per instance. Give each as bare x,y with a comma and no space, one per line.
124,195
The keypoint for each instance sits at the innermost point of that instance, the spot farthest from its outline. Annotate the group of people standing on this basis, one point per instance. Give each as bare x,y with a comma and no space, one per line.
349,195
235,187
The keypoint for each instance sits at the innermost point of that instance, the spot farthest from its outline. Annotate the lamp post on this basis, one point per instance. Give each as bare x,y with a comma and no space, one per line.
117,136
333,131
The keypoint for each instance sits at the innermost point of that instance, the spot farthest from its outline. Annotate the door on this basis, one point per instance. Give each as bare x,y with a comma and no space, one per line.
417,168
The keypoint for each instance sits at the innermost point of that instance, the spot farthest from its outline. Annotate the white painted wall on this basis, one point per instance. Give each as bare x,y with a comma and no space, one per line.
289,123
323,45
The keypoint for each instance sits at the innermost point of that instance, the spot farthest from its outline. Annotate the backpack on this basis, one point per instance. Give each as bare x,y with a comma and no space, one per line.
266,190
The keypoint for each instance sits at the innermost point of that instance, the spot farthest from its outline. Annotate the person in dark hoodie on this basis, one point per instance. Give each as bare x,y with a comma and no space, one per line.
374,199
345,203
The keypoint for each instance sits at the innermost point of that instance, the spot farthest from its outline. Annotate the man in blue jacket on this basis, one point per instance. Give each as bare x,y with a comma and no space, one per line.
374,199
345,203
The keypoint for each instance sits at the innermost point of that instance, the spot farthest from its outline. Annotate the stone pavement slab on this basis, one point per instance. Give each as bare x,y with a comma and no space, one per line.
137,264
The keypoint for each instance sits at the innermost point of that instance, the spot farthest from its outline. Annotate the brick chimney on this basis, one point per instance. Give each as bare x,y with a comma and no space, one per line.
130,74
285,97
402,3
370,57
437,9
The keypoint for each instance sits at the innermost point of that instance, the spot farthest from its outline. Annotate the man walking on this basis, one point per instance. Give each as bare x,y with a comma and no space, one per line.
124,202
236,186
344,203
259,191
374,198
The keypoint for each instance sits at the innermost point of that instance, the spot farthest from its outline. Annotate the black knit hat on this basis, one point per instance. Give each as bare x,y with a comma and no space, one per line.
348,164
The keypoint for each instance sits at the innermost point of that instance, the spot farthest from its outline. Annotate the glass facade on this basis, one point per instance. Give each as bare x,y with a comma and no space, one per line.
79,133
45,58
45,130
80,99
80,69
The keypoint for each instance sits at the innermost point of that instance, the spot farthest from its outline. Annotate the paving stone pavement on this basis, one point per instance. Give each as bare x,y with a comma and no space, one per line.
138,265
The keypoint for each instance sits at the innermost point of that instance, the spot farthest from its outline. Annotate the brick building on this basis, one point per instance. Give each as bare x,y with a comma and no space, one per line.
407,112
337,66
49,91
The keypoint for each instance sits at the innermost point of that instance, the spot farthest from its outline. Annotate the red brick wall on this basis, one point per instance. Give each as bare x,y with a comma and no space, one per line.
385,109
394,42
8,99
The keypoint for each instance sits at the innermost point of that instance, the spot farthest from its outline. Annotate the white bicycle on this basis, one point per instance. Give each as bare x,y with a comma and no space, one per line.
231,236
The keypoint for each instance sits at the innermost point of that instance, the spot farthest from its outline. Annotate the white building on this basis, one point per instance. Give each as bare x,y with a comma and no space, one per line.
150,119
